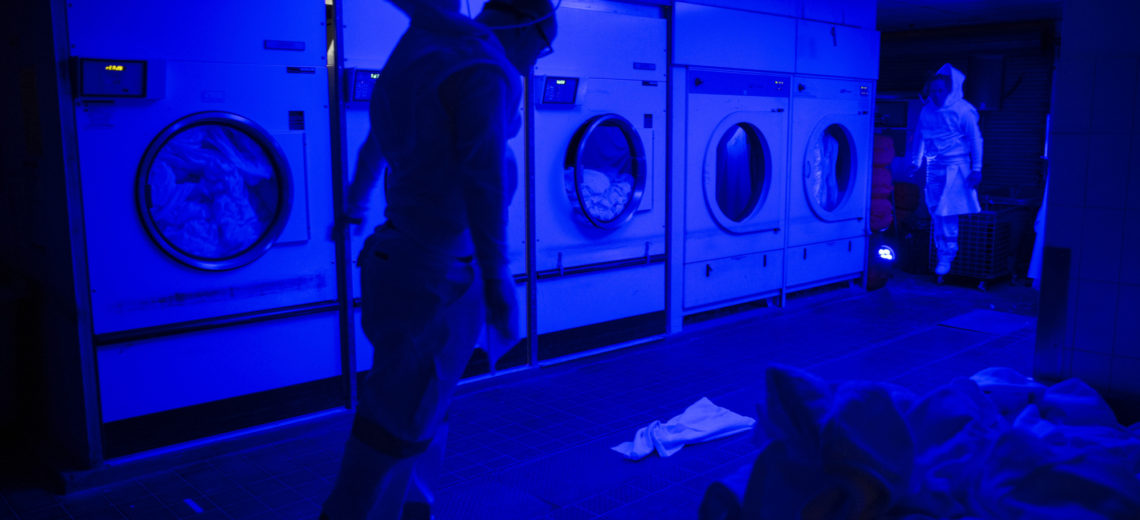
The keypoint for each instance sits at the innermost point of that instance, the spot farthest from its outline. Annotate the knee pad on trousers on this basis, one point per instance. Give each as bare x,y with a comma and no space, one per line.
380,439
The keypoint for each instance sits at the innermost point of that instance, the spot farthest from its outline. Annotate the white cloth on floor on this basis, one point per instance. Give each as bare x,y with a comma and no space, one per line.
702,421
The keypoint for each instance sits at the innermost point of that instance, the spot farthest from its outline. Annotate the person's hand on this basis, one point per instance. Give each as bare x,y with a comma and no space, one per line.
342,224
502,311
974,179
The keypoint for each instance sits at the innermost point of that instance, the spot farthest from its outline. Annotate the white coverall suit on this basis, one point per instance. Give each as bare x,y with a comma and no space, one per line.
949,138
441,113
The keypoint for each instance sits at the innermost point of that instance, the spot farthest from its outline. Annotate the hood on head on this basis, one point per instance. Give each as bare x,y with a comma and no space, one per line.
957,78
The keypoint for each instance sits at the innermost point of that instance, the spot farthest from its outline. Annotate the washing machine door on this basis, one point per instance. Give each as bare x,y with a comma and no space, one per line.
214,190
737,174
830,170
606,171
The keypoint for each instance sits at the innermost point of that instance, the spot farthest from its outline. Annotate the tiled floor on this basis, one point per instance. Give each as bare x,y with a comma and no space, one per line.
535,444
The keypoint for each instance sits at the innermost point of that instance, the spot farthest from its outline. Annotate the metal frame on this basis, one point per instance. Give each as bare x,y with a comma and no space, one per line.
674,177
339,144
81,290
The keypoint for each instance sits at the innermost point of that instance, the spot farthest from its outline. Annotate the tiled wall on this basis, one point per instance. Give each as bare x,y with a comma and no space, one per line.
1094,203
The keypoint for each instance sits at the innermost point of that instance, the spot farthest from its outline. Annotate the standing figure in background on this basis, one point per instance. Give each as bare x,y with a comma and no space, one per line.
949,139
436,273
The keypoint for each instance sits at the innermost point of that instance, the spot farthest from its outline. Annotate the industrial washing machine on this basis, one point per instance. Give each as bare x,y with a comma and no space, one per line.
831,136
599,134
203,151
734,139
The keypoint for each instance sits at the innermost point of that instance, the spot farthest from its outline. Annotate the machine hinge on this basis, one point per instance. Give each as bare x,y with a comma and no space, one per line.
647,259
805,253
708,270
765,260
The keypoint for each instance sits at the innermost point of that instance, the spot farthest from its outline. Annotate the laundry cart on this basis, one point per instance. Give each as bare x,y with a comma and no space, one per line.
984,245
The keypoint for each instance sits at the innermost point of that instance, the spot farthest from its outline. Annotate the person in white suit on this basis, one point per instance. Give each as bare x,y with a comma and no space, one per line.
950,141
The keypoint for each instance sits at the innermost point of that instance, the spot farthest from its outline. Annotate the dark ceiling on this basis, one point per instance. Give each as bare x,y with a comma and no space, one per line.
902,15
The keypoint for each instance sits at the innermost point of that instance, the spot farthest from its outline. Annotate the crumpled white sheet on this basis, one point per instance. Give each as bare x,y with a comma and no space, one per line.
605,196
701,421
997,445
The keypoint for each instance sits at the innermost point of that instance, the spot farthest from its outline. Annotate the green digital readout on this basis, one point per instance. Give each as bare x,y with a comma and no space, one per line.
112,78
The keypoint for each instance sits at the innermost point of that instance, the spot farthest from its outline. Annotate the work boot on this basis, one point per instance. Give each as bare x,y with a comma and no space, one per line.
943,266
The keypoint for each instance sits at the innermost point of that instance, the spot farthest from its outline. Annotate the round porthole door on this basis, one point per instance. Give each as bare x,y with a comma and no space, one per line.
829,169
606,171
737,174
214,190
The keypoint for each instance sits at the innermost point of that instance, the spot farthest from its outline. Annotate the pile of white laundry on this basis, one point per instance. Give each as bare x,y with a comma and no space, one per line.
996,445
604,195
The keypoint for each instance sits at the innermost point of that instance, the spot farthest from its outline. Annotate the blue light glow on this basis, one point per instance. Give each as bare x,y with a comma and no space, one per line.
886,253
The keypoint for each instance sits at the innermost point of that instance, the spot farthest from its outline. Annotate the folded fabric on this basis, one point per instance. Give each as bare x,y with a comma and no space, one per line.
702,421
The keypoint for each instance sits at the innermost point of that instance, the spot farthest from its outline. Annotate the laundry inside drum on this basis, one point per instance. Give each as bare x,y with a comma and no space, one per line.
213,191
607,179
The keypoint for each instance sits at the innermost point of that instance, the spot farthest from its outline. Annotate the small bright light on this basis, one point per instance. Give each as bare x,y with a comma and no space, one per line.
886,253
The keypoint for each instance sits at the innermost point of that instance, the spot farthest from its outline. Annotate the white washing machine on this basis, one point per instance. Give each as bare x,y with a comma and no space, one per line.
206,186
371,31
830,180
735,186
599,134
730,90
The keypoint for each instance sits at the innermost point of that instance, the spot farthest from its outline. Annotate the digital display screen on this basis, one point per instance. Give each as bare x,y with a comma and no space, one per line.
362,82
559,90
112,78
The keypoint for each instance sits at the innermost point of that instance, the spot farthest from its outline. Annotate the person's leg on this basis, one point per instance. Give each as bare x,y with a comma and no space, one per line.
405,295
464,321
365,473
949,249
935,186
428,469
945,245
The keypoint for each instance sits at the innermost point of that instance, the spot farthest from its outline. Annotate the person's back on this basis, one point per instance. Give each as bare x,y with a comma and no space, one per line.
425,195
436,273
